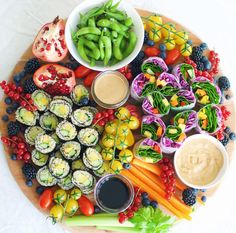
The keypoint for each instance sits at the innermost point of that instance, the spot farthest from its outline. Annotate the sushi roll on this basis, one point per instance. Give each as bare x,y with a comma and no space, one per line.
31,133
88,137
172,139
90,109
48,121
66,183
45,143
60,108
152,127
66,131
26,117
156,104
55,137
103,170
205,91
78,165
67,99
78,93
45,178
82,118
154,65
92,159
210,119
182,100
39,158
186,120
41,99
59,168
70,150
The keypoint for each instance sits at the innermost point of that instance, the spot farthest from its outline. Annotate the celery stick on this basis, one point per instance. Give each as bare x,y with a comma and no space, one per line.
105,215
120,229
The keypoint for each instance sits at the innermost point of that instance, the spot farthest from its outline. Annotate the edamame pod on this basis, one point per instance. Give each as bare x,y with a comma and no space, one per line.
91,22
114,7
128,22
95,53
81,49
117,16
108,4
116,48
131,45
92,37
114,34
101,48
88,30
123,44
108,49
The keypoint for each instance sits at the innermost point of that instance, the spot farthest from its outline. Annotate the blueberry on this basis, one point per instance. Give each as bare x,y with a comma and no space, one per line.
203,46
126,166
10,110
144,195
203,190
204,198
154,204
97,209
39,190
29,183
8,101
84,101
17,78
146,202
15,105
150,43
227,130
232,136
13,157
195,191
190,42
5,118
204,59
162,55
227,97
207,65
145,36
162,47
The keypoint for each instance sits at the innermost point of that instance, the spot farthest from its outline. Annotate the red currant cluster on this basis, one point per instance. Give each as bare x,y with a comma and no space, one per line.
126,71
101,118
129,213
226,114
16,93
167,176
19,147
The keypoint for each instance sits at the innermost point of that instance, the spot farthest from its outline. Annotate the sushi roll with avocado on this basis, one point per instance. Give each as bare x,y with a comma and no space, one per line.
103,170
26,117
39,158
60,108
67,99
90,109
45,178
31,133
82,118
48,121
59,167
78,165
70,150
66,131
88,137
66,183
44,143
92,159
41,99
78,93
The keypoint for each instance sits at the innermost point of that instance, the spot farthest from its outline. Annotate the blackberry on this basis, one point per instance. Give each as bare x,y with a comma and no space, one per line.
189,196
200,65
29,86
225,140
138,59
227,130
29,171
13,128
223,83
135,69
71,65
196,53
32,65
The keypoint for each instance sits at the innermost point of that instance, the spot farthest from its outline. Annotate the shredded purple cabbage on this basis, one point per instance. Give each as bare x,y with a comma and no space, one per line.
170,79
157,61
149,119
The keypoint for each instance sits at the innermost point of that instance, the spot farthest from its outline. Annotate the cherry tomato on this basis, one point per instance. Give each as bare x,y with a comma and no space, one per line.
82,71
122,113
116,166
59,196
111,127
89,78
71,207
56,213
86,206
108,140
134,123
134,111
151,51
154,21
107,154
126,156
75,193
45,199
172,56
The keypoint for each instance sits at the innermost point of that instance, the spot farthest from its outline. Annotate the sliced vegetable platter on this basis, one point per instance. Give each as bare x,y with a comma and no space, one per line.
16,167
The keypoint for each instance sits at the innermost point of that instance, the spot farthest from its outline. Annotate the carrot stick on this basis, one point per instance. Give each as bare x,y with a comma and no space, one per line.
154,195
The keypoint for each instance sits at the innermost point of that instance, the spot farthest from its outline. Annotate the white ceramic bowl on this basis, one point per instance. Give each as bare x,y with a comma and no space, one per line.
222,170
73,20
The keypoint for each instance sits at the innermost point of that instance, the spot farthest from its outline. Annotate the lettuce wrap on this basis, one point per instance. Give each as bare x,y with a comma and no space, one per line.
154,65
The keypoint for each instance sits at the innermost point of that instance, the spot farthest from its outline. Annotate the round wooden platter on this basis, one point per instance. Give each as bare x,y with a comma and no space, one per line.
15,166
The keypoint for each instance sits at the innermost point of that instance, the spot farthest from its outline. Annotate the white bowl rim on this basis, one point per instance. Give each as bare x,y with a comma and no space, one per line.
222,170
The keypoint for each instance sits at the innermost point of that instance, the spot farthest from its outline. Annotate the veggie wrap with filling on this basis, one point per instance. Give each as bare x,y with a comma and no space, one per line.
186,120
209,119
205,91
154,65
152,127
149,151
182,100
172,139
156,104
185,74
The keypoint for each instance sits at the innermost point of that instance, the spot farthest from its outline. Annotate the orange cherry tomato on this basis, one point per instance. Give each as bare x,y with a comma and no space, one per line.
46,198
172,56
82,71
89,78
151,51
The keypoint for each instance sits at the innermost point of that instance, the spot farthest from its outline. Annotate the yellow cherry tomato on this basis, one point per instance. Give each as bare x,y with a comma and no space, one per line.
144,25
122,143
59,196
154,21
181,37
168,30
71,206
111,127
126,156
116,166
107,154
186,50
130,138
123,129
122,113
56,213
155,34
170,43
134,123
75,193
108,140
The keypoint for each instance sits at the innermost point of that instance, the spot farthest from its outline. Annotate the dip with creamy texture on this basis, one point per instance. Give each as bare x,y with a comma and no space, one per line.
199,161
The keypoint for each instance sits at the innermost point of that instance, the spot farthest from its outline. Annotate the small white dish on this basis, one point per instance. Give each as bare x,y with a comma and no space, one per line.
73,20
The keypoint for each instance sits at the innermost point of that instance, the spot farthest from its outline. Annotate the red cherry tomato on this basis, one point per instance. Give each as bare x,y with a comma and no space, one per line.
86,206
134,111
172,56
45,199
82,72
89,78
151,51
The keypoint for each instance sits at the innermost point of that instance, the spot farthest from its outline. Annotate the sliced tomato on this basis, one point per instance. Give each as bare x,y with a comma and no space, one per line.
46,198
82,72
86,206
89,78
172,56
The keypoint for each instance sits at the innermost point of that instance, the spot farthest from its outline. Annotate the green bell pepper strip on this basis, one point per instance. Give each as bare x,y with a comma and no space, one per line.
132,42
88,30
116,48
81,49
173,136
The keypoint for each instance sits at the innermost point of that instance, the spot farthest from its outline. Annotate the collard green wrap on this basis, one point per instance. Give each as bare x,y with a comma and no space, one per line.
154,65
205,91
152,127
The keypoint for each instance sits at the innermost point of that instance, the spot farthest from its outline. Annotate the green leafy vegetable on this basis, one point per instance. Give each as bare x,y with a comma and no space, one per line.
151,68
150,128
148,88
188,72
173,132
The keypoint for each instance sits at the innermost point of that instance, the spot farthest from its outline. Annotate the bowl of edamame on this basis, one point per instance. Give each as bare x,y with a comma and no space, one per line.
104,34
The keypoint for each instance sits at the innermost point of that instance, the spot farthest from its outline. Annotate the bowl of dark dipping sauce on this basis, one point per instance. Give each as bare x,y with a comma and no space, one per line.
114,193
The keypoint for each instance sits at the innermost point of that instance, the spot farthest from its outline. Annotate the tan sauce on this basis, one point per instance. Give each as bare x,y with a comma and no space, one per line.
199,162
110,88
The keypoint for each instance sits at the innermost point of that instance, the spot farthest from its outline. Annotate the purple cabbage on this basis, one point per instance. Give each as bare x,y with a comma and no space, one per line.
149,119
170,79
157,61
168,146
149,142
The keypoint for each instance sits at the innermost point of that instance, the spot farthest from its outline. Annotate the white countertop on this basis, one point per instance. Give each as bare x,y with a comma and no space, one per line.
214,21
